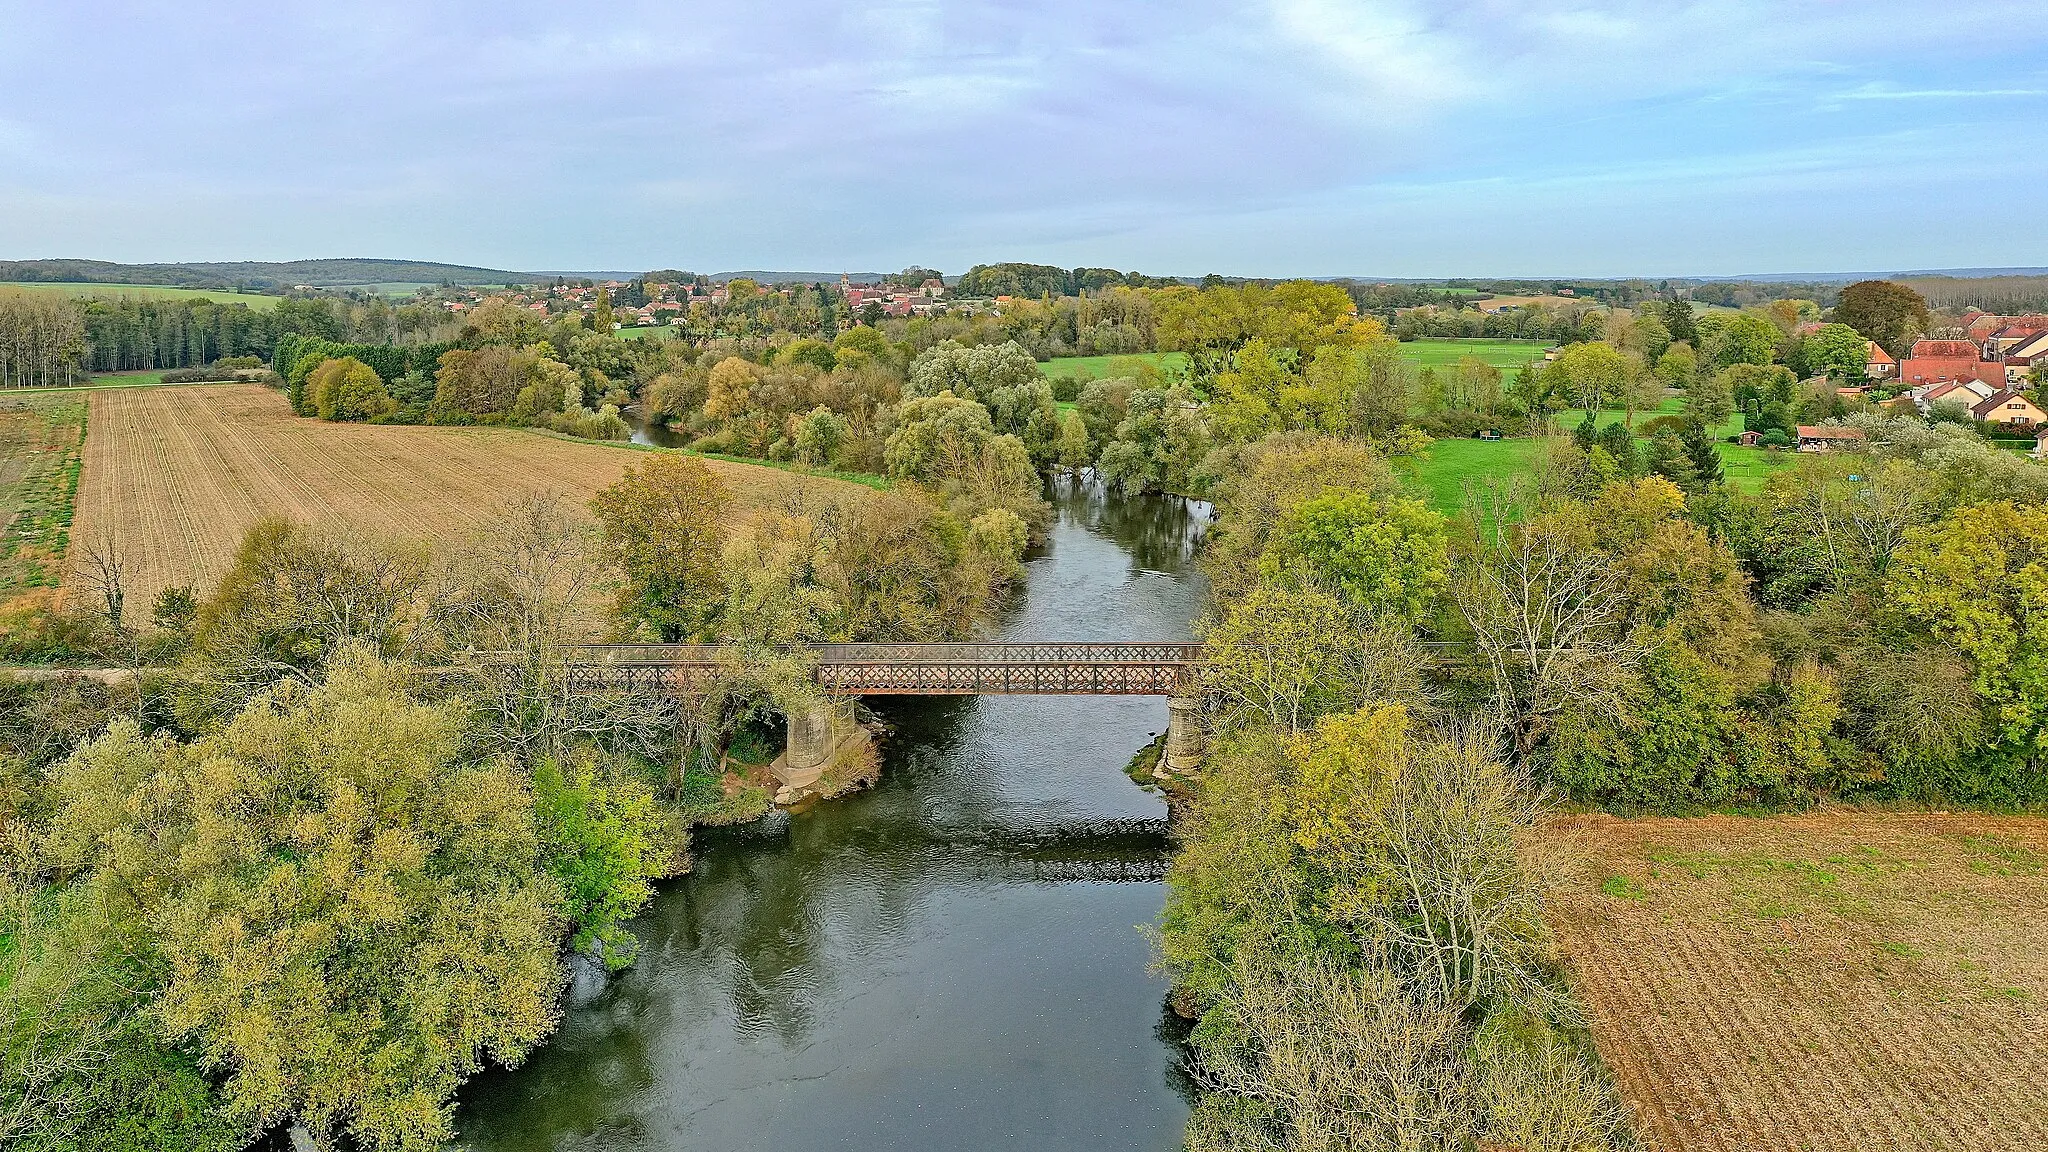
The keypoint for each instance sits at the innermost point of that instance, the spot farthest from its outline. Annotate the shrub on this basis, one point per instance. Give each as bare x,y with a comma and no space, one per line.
348,389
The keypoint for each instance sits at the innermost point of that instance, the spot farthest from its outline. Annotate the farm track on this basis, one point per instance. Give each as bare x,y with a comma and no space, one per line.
1860,982
176,476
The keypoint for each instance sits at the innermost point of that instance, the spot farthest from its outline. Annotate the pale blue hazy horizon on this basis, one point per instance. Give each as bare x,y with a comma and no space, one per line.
1293,137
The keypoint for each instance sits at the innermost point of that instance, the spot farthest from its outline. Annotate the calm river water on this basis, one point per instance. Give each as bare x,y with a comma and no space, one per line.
953,960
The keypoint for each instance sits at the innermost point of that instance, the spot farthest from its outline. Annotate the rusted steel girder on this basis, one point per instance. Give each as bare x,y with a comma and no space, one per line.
966,669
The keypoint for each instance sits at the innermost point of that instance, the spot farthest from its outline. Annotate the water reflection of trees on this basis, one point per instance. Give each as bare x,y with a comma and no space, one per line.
1160,532
780,919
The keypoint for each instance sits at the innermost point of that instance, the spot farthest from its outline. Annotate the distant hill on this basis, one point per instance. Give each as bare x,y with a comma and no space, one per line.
257,274
799,277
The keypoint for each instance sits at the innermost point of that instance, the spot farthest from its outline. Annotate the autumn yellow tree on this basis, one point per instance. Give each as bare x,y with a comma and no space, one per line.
663,526
350,914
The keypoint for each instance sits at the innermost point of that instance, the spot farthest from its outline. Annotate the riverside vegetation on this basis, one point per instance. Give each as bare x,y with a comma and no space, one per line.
243,889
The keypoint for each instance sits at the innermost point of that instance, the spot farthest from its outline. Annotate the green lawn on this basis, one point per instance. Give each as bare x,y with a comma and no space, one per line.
1440,353
224,296
1443,471
41,438
1097,367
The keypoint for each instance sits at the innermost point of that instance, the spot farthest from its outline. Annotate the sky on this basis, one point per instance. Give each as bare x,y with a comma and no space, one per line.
1285,138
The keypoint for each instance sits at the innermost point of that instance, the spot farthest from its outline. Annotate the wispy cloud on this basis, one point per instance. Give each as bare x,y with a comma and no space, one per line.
1245,135
1886,92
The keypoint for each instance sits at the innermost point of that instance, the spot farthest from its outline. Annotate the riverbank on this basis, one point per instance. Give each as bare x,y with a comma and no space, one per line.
949,958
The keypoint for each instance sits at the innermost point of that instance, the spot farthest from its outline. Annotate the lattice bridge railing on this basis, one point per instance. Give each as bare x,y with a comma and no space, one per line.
959,669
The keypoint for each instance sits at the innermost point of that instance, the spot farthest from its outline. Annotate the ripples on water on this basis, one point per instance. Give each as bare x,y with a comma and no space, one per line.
950,961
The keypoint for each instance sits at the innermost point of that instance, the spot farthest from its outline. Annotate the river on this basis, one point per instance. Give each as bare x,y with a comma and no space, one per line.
952,960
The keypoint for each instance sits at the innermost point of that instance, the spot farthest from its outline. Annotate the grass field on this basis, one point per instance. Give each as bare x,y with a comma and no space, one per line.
1434,353
259,303
1097,367
1832,982
1444,471
176,475
39,461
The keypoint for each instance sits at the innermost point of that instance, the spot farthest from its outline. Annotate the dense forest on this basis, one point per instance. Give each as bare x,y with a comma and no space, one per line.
254,275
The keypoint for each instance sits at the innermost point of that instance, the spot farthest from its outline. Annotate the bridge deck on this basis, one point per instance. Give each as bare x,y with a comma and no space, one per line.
960,669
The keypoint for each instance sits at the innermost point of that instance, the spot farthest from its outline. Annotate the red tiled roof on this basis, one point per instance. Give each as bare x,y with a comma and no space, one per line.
1946,350
1927,370
1817,432
1879,355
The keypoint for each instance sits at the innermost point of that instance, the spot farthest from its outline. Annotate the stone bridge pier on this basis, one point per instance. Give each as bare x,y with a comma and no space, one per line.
1185,740
815,735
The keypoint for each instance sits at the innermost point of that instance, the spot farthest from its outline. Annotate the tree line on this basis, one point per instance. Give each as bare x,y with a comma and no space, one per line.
46,337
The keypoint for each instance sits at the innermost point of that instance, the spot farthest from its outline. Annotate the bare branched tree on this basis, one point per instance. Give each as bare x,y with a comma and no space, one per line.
1549,617
102,567
1333,1059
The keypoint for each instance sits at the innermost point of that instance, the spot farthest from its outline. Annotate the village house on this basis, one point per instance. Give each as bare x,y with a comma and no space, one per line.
1968,393
1824,438
2009,407
1881,365
2012,333
2022,358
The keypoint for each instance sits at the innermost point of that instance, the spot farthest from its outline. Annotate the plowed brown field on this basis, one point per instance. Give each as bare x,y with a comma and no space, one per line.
176,475
1850,981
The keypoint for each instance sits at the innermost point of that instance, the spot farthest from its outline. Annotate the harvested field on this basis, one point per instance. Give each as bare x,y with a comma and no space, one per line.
176,475
1832,981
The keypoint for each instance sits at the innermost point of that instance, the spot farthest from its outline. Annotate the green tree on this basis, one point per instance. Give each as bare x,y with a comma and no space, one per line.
1284,656
1677,366
1680,322
1839,352
1386,555
605,840
351,913
1891,314
1976,580
1732,338
1075,450
1710,397
348,389
948,444
1593,373
1620,445
818,437
1667,457
662,526
82,1068
1703,457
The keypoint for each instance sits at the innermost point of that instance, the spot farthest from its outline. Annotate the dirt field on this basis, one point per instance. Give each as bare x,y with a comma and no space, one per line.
177,475
1844,981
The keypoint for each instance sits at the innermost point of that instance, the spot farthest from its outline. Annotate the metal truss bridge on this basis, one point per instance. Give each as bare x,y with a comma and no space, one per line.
1045,669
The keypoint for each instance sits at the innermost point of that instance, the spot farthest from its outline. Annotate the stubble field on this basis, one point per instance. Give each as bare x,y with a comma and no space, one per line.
175,476
1858,982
